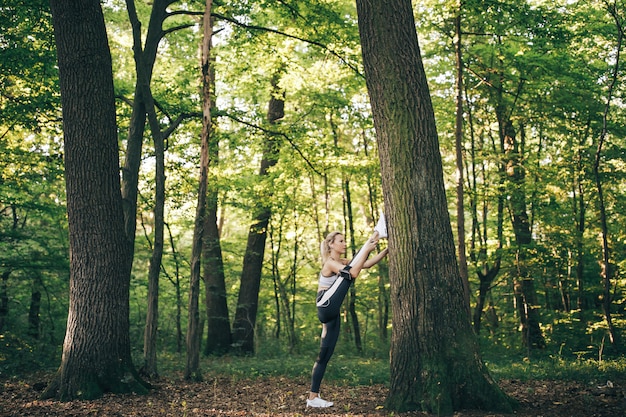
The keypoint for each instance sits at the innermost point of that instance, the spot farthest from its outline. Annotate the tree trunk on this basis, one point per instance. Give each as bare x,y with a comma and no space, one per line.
351,300
284,291
579,209
219,337
487,274
607,267
4,298
244,324
283,300
524,284
435,362
486,277
192,369
144,64
34,311
96,353
179,302
458,134
149,367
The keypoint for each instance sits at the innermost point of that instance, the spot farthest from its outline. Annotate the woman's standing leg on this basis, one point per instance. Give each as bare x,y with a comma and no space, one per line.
329,315
330,335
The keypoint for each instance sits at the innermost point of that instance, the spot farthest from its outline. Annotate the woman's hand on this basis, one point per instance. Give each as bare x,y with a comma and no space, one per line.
372,242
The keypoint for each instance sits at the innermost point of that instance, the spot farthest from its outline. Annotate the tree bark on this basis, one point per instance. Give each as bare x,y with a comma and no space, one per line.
458,134
96,352
524,283
149,367
219,337
351,299
607,267
144,63
34,311
4,298
486,272
192,369
435,362
579,211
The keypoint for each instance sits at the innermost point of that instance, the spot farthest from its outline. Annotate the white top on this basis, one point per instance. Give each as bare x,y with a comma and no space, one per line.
326,282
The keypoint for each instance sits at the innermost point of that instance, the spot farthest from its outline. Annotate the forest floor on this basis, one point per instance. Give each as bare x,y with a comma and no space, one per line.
223,396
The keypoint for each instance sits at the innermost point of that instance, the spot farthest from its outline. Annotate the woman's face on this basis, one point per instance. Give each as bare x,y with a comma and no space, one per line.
339,244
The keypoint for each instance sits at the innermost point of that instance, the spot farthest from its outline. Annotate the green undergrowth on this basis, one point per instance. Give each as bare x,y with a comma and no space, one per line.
555,368
354,370
347,367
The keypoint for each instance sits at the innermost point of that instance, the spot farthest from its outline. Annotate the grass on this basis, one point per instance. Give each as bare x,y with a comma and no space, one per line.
346,367
345,370
551,368
352,370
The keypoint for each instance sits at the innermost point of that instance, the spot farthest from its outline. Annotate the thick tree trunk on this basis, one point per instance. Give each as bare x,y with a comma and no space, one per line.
244,324
96,352
435,362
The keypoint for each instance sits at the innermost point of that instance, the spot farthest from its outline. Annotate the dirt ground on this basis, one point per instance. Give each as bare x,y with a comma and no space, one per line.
286,397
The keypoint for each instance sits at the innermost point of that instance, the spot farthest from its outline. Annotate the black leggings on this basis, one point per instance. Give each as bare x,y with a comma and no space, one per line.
329,315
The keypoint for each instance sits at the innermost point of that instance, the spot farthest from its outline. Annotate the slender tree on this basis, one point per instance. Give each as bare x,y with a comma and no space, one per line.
608,268
435,362
458,135
145,57
149,367
4,297
523,281
219,337
192,368
96,352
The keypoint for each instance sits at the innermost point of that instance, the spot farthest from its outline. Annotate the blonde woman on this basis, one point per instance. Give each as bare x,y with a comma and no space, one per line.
334,281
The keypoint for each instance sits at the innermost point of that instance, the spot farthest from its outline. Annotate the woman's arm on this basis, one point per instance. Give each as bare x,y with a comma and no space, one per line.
373,261
359,261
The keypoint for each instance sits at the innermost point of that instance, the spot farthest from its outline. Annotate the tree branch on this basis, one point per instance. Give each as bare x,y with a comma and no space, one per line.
273,133
278,32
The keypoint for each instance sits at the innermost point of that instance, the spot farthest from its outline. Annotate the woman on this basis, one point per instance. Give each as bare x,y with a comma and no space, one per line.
334,281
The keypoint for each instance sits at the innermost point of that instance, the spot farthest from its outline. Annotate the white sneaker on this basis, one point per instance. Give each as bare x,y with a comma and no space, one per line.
317,402
381,227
